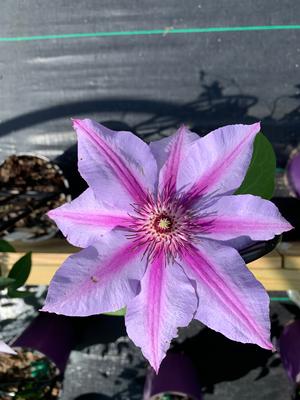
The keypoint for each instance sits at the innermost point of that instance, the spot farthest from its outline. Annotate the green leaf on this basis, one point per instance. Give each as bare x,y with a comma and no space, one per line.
5,282
18,293
260,177
119,313
6,247
20,271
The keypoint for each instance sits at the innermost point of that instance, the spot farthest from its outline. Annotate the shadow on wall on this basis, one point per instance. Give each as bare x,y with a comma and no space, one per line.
213,107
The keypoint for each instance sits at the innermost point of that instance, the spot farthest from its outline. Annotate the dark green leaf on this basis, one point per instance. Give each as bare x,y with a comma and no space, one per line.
18,293
20,271
260,177
5,282
6,247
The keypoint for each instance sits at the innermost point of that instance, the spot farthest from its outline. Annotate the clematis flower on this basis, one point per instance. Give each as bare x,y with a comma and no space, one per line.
6,349
155,224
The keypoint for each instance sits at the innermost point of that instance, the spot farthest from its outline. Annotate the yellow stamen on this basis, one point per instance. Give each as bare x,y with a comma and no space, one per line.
164,223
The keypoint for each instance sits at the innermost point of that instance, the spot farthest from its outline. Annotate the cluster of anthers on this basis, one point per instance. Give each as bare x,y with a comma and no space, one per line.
162,224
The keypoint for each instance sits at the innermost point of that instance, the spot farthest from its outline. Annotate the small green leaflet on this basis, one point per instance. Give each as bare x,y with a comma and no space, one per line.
20,271
119,313
5,282
6,247
260,177
18,293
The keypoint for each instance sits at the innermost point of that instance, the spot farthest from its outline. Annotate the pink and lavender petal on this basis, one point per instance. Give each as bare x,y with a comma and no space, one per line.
118,166
217,163
231,300
85,219
241,215
169,153
167,301
6,349
101,278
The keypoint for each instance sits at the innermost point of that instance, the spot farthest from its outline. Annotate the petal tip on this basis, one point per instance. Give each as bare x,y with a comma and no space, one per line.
10,351
155,364
265,343
289,227
48,310
269,346
183,127
76,120
257,126
50,214
156,369
77,123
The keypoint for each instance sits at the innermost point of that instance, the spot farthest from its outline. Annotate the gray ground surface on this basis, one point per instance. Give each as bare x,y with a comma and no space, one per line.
106,365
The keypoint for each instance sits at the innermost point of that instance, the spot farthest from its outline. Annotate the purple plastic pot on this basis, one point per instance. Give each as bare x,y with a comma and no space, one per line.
289,348
52,335
293,173
176,375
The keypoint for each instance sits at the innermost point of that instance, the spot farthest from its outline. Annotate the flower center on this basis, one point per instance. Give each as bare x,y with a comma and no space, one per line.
163,223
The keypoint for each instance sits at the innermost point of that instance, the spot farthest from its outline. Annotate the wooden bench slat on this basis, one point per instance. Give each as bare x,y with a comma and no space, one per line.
48,256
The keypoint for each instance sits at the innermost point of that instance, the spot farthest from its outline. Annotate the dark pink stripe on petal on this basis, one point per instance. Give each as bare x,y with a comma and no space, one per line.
204,270
172,165
98,279
214,174
167,301
156,284
84,220
236,226
94,219
122,172
240,215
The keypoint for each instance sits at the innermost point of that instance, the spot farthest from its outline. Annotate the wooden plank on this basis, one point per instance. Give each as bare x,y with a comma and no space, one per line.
271,260
267,269
292,263
55,245
278,279
47,256
291,255
44,266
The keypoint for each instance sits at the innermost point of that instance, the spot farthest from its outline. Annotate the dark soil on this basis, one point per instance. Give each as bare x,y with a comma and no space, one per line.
28,375
30,186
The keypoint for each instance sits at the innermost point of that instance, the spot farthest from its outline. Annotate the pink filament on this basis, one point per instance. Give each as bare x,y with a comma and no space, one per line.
148,227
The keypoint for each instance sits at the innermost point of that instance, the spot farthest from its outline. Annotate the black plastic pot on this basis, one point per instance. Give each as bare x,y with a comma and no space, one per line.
293,173
177,379
53,335
46,345
289,349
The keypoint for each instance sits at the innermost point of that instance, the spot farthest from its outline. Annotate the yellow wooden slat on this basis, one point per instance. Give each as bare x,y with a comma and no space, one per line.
292,263
43,268
271,260
278,279
291,255
56,245
48,256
